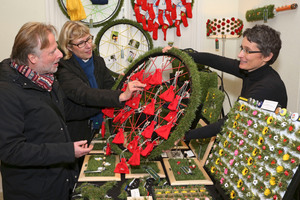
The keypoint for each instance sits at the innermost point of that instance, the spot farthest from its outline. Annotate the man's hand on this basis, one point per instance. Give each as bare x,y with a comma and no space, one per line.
81,148
131,87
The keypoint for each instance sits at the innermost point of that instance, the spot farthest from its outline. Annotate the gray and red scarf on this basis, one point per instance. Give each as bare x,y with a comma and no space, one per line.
44,81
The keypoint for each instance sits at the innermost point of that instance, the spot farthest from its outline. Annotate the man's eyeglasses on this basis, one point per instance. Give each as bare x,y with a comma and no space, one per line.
83,43
247,51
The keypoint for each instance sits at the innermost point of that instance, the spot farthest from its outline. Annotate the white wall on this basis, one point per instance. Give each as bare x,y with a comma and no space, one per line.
15,13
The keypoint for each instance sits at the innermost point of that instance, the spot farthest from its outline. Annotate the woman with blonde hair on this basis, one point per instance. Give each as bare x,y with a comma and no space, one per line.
86,80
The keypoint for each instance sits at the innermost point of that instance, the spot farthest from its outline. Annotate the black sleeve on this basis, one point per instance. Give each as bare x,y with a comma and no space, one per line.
77,112
221,63
207,131
81,93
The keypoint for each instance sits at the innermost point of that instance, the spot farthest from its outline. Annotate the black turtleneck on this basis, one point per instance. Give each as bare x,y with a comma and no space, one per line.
261,84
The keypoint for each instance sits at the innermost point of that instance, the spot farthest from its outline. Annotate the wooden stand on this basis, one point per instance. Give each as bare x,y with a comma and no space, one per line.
173,181
140,198
83,178
98,151
160,173
207,151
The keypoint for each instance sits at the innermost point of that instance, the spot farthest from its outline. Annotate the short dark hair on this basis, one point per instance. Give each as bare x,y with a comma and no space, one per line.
267,40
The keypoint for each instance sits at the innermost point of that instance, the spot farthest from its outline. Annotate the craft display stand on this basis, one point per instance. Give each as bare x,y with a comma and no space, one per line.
198,152
140,198
84,178
98,151
257,154
161,173
173,181
181,192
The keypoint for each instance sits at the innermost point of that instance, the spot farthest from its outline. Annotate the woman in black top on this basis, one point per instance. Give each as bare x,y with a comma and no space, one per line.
259,49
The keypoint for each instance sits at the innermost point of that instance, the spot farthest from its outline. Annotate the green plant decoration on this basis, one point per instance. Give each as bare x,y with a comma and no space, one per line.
94,192
253,157
266,12
213,105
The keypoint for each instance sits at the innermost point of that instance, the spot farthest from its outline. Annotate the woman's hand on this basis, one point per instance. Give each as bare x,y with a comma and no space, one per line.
131,87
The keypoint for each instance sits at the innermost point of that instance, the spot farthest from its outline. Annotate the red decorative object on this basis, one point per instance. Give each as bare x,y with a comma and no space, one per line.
149,147
150,108
173,105
103,128
156,78
163,13
164,131
109,112
108,149
147,133
122,167
168,95
138,76
134,102
230,28
286,173
132,146
119,138
171,116
135,158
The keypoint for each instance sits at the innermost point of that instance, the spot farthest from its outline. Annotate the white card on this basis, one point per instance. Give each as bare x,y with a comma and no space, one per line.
135,192
269,105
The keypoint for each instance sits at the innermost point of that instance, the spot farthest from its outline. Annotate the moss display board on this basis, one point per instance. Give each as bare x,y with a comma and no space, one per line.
257,153
202,148
140,198
140,171
99,146
177,175
191,192
93,163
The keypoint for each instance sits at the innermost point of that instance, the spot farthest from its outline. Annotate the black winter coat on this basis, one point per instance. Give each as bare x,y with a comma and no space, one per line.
77,88
36,151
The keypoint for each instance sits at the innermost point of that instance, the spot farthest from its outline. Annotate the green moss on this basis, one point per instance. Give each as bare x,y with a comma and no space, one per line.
258,14
94,164
141,169
175,165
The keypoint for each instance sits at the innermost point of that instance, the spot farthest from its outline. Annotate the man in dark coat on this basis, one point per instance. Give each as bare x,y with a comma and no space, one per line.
37,154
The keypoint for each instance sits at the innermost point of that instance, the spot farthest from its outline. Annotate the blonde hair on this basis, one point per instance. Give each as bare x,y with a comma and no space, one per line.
70,31
31,39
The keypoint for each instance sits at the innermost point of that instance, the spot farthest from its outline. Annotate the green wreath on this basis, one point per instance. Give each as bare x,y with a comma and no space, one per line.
194,100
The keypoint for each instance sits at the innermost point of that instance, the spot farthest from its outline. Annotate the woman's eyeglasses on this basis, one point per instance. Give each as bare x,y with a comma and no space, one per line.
247,51
83,43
